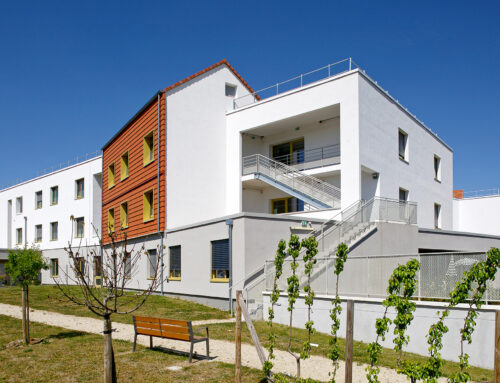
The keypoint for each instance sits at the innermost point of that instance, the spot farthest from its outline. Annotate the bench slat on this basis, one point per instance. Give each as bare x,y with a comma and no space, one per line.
175,335
155,326
174,322
145,331
146,319
177,329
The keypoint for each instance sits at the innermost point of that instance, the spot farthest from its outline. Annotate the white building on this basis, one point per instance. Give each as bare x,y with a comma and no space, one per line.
330,151
38,211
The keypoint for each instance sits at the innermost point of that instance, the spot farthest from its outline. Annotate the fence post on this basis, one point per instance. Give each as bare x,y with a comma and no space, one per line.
349,338
497,346
237,361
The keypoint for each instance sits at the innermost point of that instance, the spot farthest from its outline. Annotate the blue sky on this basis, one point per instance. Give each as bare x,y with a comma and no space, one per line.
72,73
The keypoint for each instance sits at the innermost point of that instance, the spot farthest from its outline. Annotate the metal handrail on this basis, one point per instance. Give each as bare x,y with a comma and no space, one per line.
310,155
320,190
62,165
329,69
481,193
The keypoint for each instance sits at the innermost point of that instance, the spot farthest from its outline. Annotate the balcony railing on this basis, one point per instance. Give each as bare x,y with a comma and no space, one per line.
296,82
312,158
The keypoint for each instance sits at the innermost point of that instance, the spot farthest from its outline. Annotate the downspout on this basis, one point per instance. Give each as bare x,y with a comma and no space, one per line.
229,223
158,192
25,231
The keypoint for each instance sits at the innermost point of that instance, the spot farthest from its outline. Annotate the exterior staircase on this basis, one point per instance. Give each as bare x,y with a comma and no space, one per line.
309,189
350,226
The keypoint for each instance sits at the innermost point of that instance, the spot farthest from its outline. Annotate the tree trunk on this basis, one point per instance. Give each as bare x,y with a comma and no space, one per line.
28,314
109,356
23,304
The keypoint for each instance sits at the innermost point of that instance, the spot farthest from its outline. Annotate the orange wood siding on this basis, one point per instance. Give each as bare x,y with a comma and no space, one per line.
140,179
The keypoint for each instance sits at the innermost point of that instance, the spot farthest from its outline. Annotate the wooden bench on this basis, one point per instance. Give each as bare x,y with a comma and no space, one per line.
168,329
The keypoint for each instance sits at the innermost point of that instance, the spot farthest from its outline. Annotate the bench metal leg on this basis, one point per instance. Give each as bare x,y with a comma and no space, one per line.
208,350
150,342
191,352
135,341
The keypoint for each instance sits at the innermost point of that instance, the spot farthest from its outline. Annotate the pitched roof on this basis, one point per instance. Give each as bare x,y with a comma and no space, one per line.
222,62
154,98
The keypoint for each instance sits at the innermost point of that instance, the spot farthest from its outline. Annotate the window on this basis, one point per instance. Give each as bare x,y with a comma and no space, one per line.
437,168
289,153
97,271
124,215
286,205
38,233
80,226
111,175
403,145
437,216
54,267
152,263
54,227
111,221
148,206
175,263
80,185
128,265
80,265
19,205
149,148
230,90
220,260
403,195
19,236
38,200
54,195
124,166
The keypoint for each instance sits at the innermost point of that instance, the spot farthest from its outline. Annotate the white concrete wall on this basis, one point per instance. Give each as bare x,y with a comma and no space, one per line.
366,311
379,121
196,152
68,205
477,215
342,90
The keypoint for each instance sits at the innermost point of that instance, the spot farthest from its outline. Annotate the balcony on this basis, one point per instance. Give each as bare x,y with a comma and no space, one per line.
312,158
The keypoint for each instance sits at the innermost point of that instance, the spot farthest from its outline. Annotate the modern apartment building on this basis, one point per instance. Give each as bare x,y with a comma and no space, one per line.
211,175
51,211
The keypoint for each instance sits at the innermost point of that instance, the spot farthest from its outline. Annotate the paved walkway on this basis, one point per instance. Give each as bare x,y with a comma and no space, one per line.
316,367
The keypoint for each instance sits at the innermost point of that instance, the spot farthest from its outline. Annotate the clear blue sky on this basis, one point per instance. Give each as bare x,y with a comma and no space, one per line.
72,73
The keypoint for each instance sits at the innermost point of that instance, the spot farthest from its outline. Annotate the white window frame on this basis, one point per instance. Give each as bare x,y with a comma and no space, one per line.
437,172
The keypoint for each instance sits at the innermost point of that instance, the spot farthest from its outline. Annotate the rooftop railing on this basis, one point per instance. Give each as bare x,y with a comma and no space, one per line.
296,82
62,165
481,193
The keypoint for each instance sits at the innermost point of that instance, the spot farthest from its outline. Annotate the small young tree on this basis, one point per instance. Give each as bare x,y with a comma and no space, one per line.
23,267
116,267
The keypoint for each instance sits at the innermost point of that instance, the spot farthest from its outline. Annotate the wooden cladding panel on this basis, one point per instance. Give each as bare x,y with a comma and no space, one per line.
141,178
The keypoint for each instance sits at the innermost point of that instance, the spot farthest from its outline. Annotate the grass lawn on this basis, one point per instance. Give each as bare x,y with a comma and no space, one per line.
49,298
71,356
40,298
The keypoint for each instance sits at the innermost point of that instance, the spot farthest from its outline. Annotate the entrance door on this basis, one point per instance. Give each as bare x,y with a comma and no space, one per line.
289,153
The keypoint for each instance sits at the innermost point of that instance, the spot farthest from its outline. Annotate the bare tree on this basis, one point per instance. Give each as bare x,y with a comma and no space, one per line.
104,291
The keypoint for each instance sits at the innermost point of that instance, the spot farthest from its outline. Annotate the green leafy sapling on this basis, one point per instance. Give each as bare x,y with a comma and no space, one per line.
294,246
334,351
275,294
311,246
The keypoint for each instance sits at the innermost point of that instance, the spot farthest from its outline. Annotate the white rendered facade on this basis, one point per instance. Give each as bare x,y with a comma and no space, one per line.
53,209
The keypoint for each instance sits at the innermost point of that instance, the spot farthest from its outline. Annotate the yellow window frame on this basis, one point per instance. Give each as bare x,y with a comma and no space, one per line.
280,199
111,220
148,206
52,189
124,215
215,279
290,143
52,231
54,261
78,194
149,148
111,175
124,166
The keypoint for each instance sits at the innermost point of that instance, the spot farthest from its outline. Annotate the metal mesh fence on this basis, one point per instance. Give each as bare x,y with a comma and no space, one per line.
368,276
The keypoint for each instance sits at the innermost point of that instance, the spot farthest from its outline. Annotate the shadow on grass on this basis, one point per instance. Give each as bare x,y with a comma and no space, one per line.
180,353
66,335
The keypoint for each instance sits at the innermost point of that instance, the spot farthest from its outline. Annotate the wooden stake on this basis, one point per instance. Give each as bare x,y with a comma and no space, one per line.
349,335
253,333
237,361
497,347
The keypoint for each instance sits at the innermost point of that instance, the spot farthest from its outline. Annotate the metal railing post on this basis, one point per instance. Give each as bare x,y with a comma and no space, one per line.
329,66
350,63
301,80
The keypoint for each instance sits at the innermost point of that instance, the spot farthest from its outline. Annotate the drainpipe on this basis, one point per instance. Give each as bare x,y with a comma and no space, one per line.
158,192
229,223
25,231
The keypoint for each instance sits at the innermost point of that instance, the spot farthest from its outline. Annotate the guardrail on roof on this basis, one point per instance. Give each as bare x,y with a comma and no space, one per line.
43,172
